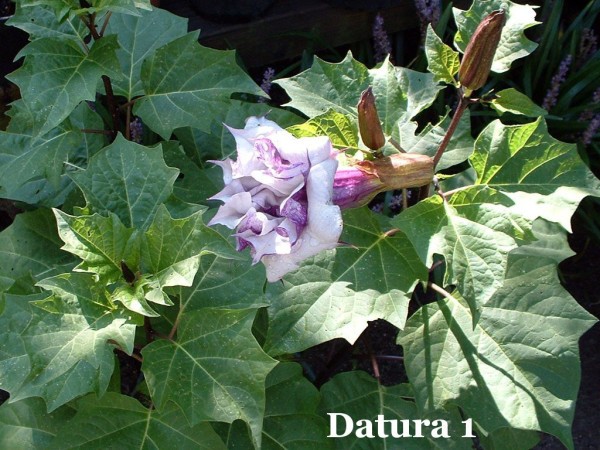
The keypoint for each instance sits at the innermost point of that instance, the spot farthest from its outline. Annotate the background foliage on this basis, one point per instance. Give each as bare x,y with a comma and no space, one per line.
112,260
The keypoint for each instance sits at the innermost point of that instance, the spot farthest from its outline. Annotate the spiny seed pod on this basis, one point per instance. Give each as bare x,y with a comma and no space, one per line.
368,121
479,54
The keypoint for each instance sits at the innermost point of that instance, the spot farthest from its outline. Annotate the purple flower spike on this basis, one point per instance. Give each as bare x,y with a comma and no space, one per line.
278,196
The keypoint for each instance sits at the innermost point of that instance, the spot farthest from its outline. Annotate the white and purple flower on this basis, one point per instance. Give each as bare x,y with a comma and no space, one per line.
278,196
283,195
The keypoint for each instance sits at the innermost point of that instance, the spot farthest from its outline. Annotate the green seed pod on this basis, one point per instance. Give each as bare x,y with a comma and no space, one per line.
479,54
368,121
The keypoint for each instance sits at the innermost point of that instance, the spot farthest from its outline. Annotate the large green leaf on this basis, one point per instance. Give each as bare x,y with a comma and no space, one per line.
142,265
129,180
216,355
338,292
33,169
187,84
291,421
512,101
101,242
171,251
66,341
428,139
30,167
543,176
339,128
30,251
26,425
59,74
218,142
15,363
442,61
119,421
40,21
519,366
72,8
139,37
474,232
513,43
224,283
400,93
360,397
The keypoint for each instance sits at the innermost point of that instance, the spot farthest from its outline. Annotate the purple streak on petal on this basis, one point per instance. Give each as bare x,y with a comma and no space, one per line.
296,209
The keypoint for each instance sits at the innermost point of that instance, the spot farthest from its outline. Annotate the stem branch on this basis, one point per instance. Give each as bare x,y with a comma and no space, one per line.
462,106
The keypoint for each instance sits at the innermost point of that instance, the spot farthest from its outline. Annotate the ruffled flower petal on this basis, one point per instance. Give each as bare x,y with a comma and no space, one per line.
277,196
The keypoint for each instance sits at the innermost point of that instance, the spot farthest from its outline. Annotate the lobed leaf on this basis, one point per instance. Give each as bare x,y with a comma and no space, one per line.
512,101
139,37
400,93
35,168
167,254
40,22
543,176
70,8
63,350
101,242
442,61
337,293
128,180
59,74
224,283
171,251
342,132
186,84
474,232
291,421
30,251
116,419
215,370
518,367
428,139
26,425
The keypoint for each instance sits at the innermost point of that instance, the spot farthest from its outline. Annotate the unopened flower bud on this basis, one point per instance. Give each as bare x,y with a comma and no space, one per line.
356,184
479,54
368,121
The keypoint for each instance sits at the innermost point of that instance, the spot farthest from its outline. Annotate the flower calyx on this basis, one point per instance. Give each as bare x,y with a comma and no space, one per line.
477,60
368,121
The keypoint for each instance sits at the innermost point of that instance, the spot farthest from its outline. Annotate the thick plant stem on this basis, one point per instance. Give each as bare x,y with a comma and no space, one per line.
462,106
112,106
110,96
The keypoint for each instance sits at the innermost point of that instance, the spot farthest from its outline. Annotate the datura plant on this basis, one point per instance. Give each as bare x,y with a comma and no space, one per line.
174,224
